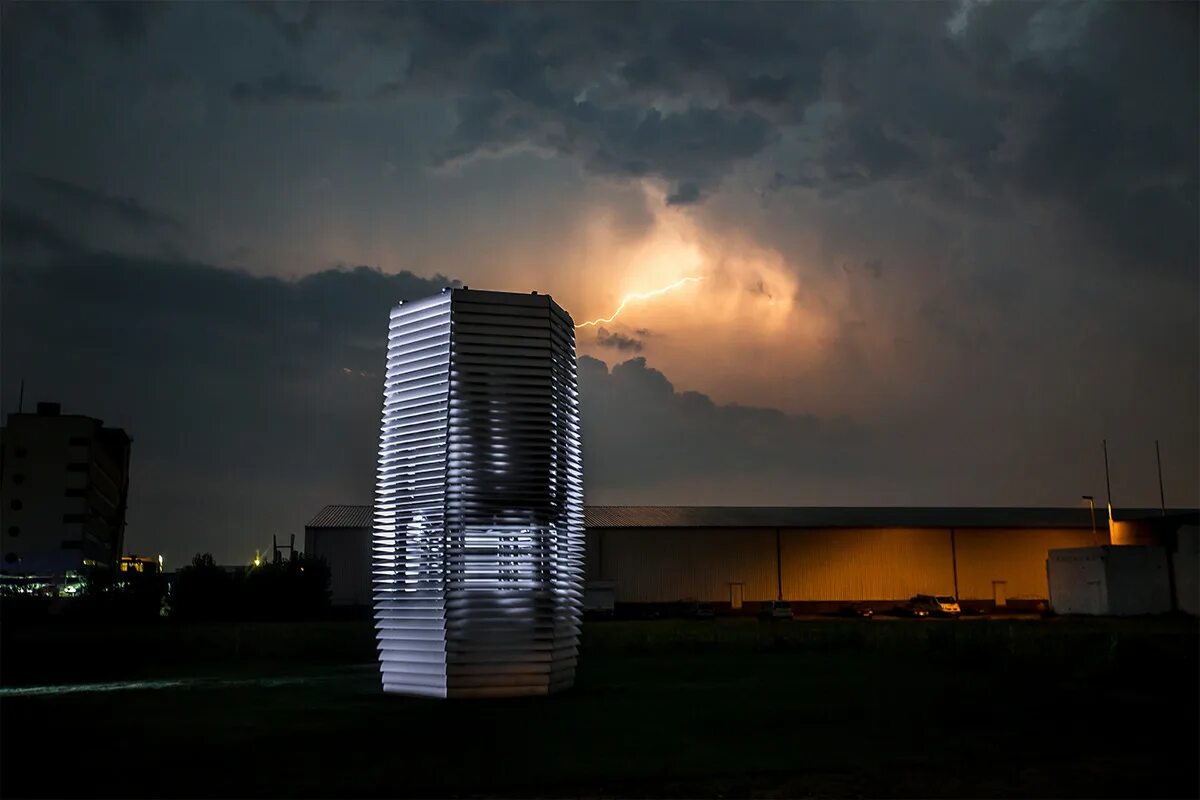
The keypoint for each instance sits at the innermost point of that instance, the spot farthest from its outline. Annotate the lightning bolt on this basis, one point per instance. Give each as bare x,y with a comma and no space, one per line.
627,299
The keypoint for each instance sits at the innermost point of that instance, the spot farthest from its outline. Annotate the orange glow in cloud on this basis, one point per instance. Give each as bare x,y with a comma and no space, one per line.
737,289
640,296
716,295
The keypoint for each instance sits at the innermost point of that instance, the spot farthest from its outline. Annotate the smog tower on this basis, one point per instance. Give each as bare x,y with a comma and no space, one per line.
478,527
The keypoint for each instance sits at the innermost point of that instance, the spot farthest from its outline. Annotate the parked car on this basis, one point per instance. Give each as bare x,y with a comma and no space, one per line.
909,610
856,610
775,609
704,611
938,605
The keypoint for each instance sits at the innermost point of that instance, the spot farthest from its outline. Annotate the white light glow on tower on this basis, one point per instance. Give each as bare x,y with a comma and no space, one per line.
478,530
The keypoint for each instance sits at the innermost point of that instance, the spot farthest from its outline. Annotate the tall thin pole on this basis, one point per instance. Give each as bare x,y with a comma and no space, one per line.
1108,489
1091,501
21,397
1162,498
954,563
778,567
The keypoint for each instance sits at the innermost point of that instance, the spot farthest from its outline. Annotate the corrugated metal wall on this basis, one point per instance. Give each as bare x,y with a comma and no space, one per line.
865,564
347,551
1017,557
661,565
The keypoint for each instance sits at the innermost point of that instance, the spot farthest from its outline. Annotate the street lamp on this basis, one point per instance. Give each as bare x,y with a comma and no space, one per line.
1091,501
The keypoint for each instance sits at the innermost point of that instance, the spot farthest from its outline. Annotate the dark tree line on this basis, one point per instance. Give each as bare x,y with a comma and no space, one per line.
287,589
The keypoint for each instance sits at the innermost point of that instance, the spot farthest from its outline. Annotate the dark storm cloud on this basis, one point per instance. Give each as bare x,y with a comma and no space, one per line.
618,341
639,432
28,232
989,168
694,147
126,209
1088,108
1067,103
125,23
1119,142
1077,109
766,88
115,23
579,82
294,21
387,90
280,89
252,401
686,193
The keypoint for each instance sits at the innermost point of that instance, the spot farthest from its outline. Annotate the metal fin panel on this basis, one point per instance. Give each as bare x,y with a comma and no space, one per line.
409,532
481,596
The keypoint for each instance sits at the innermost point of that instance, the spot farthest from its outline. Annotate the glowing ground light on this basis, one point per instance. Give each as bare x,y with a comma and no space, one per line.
640,296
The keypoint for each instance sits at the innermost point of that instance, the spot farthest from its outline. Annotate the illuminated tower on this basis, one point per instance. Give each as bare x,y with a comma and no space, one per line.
478,539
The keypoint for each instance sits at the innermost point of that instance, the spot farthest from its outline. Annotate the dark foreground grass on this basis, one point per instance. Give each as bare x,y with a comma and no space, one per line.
732,708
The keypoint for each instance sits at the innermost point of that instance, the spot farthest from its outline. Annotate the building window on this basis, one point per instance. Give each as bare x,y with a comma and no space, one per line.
11,558
79,440
18,478
73,517
13,530
77,466
76,492
72,544
16,505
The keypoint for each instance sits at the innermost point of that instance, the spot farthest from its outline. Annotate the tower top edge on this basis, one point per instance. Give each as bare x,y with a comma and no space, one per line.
457,294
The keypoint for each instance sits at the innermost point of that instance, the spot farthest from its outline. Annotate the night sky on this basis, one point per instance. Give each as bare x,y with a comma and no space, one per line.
945,248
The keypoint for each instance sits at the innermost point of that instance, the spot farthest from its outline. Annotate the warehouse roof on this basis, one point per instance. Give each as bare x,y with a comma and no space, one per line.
846,517
342,517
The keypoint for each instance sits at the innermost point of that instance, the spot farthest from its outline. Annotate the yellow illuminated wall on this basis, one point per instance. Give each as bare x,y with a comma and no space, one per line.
1016,557
664,565
865,564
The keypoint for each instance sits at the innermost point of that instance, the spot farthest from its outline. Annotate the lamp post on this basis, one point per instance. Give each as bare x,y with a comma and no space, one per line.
1162,498
1091,501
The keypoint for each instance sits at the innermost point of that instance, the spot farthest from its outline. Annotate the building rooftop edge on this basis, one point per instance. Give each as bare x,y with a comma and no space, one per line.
602,516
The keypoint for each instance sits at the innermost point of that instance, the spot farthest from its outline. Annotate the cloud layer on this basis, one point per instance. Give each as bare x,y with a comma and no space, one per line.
946,248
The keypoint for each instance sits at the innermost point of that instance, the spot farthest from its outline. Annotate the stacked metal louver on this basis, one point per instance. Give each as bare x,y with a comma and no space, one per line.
478,548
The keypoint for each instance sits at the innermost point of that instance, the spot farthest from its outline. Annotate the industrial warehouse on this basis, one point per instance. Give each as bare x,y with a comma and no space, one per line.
642,557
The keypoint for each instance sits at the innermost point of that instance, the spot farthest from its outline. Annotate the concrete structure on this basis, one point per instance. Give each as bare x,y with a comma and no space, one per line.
342,536
599,597
1185,561
65,480
1119,580
478,525
1150,526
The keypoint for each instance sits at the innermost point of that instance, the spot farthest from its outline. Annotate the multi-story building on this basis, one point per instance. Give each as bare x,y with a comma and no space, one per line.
65,479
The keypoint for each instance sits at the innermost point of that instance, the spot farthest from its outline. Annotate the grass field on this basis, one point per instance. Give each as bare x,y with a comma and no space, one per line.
728,708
